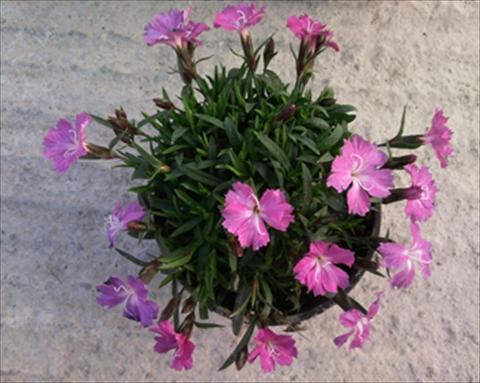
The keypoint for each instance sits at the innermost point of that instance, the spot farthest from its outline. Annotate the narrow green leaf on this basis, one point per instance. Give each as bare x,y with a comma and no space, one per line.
274,149
307,185
243,342
131,258
206,325
177,263
211,120
187,226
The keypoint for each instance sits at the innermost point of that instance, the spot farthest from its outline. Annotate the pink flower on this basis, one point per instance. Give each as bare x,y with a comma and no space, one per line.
421,208
359,325
399,257
273,348
360,165
172,29
308,30
317,268
133,295
439,137
120,218
65,144
238,17
244,214
171,340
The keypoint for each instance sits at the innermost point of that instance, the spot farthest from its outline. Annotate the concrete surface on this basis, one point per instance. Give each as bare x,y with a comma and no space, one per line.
61,58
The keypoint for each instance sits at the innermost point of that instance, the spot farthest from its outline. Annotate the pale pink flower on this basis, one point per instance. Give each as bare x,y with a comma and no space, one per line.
422,207
439,137
120,218
359,324
173,29
272,349
238,17
133,295
171,340
244,214
308,30
399,257
317,268
65,144
360,165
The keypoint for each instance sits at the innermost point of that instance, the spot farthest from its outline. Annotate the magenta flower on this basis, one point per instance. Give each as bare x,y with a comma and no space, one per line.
421,208
360,165
65,144
272,349
238,17
359,325
120,218
172,29
244,214
133,295
171,340
439,137
308,30
317,269
399,257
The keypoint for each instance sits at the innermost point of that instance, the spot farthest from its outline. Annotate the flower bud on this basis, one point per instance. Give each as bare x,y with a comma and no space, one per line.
121,126
188,305
400,162
163,104
170,308
235,247
99,151
241,358
186,327
269,52
147,273
407,142
413,192
137,226
286,113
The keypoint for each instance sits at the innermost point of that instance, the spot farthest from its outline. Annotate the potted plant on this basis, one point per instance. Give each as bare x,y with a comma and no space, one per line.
265,207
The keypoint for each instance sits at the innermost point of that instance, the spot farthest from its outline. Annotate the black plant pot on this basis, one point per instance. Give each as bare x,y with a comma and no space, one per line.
316,305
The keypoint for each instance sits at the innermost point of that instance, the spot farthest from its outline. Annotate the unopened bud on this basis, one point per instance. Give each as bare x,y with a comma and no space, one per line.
163,104
188,305
164,168
147,273
99,151
121,126
269,52
286,113
400,162
413,192
235,247
137,226
170,308
407,142
235,281
241,358
187,325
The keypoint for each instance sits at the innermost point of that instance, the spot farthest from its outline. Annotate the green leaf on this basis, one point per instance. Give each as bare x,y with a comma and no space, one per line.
334,137
243,342
274,149
131,258
232,133
317,122
198,175
179,261
402,123
177,133
241,301
206,325
309,144
211,120
307,184
187,226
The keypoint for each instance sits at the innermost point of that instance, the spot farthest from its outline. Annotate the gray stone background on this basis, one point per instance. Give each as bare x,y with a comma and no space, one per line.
60,58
